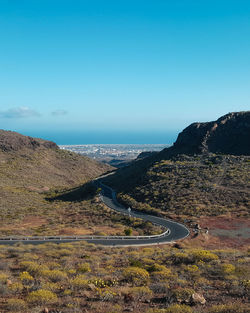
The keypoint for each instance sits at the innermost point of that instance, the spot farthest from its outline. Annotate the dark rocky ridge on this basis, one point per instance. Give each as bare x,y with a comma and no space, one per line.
205,172
230,134
12,141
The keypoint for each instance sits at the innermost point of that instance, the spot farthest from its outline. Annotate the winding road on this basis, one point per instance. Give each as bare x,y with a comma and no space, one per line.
173,230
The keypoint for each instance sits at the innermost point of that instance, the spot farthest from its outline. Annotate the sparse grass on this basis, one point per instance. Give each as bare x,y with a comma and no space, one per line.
185,185
44,192
155,279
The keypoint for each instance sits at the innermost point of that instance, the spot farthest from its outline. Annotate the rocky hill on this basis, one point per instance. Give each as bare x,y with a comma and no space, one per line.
206,171
12,141
230,134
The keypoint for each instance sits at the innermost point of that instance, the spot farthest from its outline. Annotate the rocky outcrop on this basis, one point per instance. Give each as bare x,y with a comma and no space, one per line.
230,134
12,141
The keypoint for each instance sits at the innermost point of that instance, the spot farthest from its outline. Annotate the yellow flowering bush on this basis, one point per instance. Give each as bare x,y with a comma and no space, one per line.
26,278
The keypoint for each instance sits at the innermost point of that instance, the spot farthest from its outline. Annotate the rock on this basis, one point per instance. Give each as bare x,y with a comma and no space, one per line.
128,298
8,282
198,298
230,134
92,286
12,141
178,246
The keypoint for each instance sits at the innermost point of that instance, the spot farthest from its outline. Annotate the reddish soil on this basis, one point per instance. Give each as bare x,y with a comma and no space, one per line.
224,222
223,232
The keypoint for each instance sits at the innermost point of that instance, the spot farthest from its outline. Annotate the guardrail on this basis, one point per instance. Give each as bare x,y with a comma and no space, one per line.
88,237
53,238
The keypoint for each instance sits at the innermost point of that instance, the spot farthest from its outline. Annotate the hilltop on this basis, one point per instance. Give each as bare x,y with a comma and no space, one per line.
205,172
37,163
230,134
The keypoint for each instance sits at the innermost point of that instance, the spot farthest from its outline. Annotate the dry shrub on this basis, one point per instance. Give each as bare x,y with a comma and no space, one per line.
229,308
16,305
83,268
41,297
178,308
80,282
135,275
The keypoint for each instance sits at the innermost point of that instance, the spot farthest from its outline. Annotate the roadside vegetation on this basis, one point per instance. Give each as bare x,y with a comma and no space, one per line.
81,277
68,212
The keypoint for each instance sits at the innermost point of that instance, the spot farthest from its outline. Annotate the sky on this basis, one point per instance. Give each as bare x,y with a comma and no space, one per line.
121,71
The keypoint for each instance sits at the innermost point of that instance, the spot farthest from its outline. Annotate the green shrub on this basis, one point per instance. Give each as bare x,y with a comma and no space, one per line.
180,257
3,278
135,275
203,255
16,305
106,294
183,294
51,286
229,308
26,278
29,266
178,308
41,297
141,292
16,287
33,267
128,231
156,311
227,269
55,275
83,268
79,282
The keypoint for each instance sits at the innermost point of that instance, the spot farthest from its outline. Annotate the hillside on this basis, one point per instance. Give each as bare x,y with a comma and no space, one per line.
32,169
34,173
39,164
205,172
199,185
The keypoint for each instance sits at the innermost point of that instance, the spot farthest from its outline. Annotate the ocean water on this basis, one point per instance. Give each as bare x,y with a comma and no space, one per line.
105,137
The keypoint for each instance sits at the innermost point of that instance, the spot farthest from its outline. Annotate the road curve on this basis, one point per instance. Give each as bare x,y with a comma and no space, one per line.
173,230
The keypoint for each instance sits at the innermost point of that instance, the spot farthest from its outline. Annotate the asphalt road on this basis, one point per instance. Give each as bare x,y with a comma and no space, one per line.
172,230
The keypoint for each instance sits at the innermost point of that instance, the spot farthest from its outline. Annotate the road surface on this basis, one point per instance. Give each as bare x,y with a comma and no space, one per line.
172,230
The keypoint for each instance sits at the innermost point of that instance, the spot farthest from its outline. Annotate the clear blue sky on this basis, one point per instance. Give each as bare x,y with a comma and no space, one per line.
121,71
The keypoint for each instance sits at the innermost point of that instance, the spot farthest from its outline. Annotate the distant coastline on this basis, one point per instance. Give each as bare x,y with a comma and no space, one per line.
114,154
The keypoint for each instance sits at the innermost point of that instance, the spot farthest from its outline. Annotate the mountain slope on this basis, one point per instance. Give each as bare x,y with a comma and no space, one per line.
36,163
31,170
206,171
